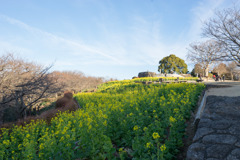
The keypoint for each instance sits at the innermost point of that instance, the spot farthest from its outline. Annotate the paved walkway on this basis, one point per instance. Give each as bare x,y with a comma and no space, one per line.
218,133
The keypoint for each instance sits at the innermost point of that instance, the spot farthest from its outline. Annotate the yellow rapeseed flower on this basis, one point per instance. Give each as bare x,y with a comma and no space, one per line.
28,135
171,119
105,116
90,127
176,110
80,124
148,145
20,146
41,146
64,131
67,136
105,123
6,142
163,147
135,128
41,154
120,149
155,135
62,139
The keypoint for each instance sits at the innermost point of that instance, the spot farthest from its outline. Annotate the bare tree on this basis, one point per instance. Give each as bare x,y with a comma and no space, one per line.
232,69
77,81
220,69
24,84
224,27
204,53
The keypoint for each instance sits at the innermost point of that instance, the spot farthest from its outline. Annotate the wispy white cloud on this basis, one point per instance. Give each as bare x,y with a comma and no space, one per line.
144,44
77,46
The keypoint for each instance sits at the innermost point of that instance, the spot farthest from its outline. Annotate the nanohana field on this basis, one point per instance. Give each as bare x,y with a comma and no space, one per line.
122,120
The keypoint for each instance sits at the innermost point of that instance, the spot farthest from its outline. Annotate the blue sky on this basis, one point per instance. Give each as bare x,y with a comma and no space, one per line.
106,38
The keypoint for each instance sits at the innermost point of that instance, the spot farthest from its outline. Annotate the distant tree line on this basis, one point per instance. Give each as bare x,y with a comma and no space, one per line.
230,70
76,81
25,85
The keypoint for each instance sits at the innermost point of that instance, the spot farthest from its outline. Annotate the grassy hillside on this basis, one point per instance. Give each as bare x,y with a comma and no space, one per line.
111,84
124,121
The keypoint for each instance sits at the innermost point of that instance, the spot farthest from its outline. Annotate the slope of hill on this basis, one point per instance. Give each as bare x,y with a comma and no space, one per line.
123,121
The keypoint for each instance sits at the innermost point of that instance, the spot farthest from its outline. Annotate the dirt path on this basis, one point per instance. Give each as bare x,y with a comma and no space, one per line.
218,132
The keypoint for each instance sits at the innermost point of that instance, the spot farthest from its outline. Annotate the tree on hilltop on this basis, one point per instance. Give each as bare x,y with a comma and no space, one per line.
172,64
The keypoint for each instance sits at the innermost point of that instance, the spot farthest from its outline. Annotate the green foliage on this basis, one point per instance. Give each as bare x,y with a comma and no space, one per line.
197,70
130,120
171,64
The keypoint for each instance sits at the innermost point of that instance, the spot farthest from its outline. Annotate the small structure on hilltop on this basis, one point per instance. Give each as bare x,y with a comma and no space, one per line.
146,74
169,75
186,75
153,74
